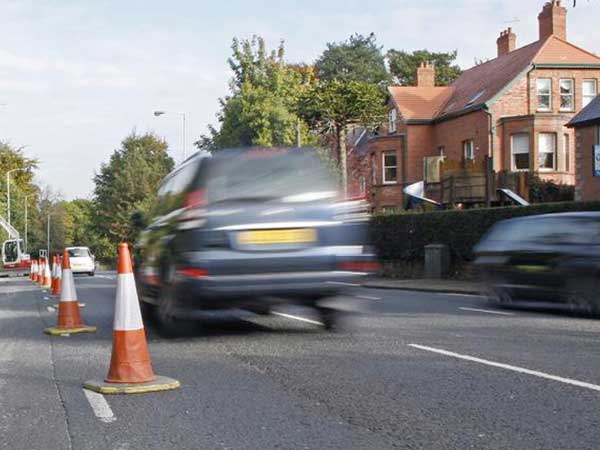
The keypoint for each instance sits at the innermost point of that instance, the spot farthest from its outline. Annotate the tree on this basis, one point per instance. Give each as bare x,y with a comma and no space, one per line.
333,106
403,66
261,107
127,185
357,59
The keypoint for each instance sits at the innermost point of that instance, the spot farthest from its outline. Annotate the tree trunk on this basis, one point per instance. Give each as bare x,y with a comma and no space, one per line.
342,158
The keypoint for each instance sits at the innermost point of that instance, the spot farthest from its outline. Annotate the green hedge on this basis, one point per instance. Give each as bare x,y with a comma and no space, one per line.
402,237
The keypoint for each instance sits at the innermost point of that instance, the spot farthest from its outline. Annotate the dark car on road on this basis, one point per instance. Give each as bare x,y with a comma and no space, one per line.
249,229
546,258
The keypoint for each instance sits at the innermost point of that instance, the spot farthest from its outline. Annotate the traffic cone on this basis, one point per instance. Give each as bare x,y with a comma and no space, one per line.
69,318
47,278
130,369
57,276
32,270
40,272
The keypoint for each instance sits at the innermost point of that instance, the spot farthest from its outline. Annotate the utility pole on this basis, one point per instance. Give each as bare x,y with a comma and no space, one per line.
298,136
26,219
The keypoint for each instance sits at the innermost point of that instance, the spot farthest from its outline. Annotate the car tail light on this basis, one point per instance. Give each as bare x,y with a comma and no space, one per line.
193,272
193,214
360,266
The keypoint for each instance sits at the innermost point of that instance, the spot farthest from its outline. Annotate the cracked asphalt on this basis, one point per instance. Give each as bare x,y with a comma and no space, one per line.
407,371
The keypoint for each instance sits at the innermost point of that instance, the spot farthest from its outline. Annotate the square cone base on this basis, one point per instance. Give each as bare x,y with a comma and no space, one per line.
55,331
157,385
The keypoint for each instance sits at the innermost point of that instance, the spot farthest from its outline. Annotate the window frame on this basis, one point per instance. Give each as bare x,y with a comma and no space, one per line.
392,119
538,95
384,179
362,185
571,95
554,139
472,146
590,97
567,151
512,152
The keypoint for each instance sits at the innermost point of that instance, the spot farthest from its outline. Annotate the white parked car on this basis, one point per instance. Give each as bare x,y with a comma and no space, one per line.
82,260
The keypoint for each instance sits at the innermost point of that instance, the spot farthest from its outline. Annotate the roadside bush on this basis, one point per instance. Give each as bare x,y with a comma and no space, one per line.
401,238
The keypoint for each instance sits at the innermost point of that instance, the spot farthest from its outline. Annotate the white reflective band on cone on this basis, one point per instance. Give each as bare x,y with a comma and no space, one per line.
58,271
68,292
127,307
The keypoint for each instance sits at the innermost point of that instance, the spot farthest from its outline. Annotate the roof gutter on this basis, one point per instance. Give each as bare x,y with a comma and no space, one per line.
566,66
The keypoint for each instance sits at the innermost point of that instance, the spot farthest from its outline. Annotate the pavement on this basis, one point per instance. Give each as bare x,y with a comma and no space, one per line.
409,370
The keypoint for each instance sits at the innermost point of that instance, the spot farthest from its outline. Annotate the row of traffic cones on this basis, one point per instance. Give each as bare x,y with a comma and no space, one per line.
130,370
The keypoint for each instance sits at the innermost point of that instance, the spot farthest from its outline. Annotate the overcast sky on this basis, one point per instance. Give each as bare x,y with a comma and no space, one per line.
78,75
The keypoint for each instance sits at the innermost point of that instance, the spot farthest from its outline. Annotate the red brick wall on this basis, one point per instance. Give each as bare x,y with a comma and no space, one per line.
452,133
587,186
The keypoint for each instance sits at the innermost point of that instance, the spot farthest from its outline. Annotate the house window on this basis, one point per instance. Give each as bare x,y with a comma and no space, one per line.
392,118
567,151
544,94
362,185
469,150
567,95
547,151
390,168
590,90
520,151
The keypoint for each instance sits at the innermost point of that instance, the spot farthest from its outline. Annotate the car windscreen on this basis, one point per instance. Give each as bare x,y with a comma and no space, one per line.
293,176
548,230
79,253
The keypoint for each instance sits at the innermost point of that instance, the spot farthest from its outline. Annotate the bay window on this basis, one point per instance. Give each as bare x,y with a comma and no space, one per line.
520,151
547,151
390,167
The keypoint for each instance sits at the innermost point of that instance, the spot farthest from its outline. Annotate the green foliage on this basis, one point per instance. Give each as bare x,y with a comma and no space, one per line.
357,59
543,191
402,237
264,93
403,66
127,185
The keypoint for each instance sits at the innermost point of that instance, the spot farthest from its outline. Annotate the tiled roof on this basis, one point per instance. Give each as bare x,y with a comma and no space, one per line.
489,78
591,113
482,83
419,103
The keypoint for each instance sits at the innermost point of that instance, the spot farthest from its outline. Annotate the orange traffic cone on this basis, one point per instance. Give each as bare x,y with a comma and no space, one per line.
40,272
56,277
130,369
47,277
69,318
32,270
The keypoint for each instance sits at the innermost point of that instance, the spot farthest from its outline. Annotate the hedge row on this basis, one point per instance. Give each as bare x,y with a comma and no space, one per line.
402,237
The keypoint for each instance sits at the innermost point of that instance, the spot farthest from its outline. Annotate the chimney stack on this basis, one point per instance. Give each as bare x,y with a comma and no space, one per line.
507,42
553,20
426,75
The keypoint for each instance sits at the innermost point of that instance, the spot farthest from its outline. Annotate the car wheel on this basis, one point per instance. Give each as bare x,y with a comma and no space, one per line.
583,296
91,274
147,310
499,297
330,318
164,314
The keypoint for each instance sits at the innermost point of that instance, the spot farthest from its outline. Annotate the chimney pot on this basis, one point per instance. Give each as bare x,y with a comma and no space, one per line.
507,42
553,20
426,75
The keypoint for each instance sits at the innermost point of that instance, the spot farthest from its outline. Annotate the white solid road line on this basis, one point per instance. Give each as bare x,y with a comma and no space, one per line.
487,311
535,373
301,319
341,283
456,294
366,297
100,406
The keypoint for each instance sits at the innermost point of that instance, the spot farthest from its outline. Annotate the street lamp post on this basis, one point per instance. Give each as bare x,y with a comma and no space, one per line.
48,234
182,114
8,192
26,223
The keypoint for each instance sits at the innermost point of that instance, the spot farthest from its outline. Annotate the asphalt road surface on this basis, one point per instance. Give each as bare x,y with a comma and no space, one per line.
408,371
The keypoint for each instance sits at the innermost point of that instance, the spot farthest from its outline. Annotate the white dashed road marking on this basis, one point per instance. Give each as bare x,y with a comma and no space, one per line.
487,311
100,406
301,319
535,373
366,297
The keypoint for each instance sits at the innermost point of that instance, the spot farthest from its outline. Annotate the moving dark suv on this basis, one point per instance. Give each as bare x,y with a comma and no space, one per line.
248,229
548,258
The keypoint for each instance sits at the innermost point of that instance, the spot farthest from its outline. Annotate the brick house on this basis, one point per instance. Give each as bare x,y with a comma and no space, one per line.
512,109
587,149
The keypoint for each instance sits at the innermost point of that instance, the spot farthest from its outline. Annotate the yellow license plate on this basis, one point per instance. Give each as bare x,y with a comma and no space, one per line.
264,237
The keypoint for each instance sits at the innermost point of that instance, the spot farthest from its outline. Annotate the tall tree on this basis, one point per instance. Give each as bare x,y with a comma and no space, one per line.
331,107
127,185
261,107
357,59
403,66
